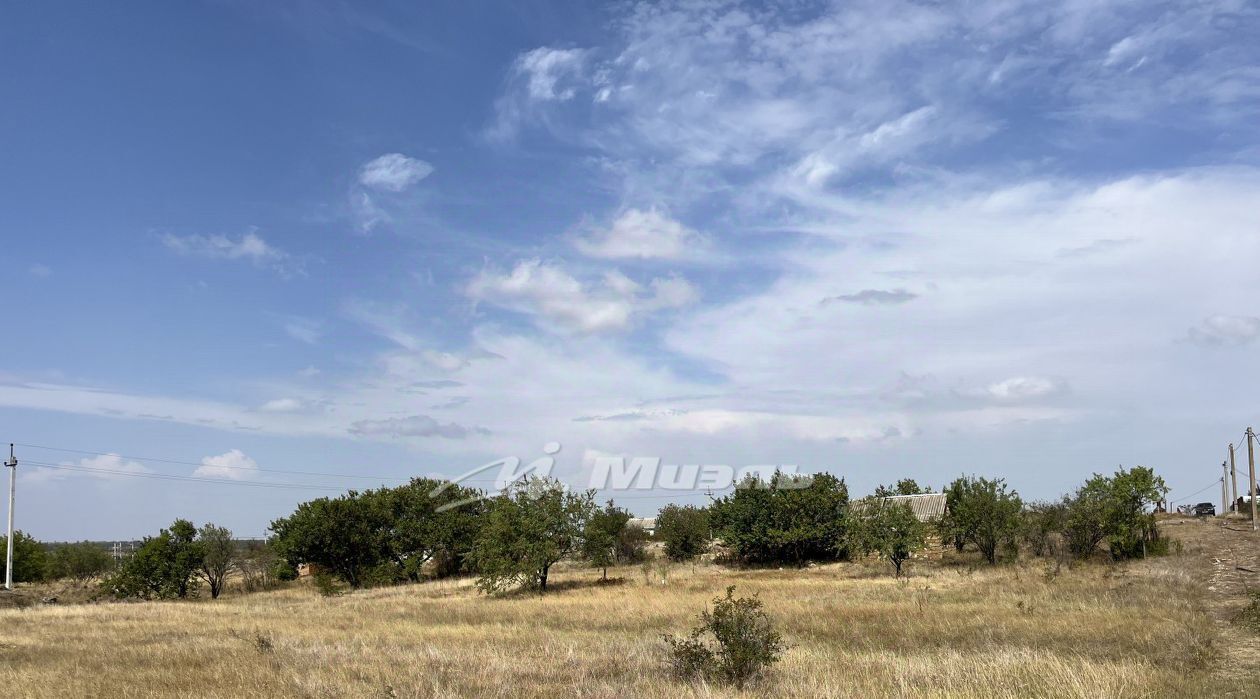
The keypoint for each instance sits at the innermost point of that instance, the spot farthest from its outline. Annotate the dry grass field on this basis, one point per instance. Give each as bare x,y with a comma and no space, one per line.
951,629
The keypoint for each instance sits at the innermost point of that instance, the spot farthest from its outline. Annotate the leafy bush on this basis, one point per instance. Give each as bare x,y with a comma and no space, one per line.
1115,510
284,571
780,522
685,531
1249,617
30,560
744,643
632,544
80,562
1042,522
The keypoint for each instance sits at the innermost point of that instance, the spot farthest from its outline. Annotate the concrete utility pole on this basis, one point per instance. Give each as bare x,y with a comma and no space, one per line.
1233,478
1251,471
1224,491
8,558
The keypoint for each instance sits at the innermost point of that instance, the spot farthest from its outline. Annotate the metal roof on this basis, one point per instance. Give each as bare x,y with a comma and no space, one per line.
926,507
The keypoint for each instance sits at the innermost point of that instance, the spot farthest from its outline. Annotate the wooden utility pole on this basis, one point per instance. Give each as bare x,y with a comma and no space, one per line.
1233,478
1251,471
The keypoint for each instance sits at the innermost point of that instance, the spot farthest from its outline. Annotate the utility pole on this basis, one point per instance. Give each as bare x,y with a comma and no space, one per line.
8,559
1224,492
1251,471
1233,478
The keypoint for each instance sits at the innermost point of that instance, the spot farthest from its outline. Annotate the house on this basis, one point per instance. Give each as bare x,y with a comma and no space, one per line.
647,524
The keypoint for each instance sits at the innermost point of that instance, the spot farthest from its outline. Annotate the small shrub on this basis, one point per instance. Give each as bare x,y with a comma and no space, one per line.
263,643
326,585
284,571
745,643
1249,617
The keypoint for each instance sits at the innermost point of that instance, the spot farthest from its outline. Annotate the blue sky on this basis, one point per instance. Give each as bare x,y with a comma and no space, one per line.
881,239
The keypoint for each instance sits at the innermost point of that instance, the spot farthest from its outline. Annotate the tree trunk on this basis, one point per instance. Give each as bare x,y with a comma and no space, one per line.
542,579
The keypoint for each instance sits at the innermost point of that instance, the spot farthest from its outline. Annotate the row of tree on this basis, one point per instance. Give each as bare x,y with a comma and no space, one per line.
35,562
435,528
430,528
780,522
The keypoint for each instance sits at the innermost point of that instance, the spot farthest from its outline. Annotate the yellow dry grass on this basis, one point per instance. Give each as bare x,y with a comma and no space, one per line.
958,631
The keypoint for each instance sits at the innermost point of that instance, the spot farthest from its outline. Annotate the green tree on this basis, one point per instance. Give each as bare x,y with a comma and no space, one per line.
1131,524
164,566
345,536
30,559
780,521
685,531
632,544
951,529
603,531
427,521
986,513
527,530
889,529
1115,510
80,562
1041,521
905,486
219,557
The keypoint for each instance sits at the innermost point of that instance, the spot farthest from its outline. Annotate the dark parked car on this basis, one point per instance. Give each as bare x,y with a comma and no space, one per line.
1204,509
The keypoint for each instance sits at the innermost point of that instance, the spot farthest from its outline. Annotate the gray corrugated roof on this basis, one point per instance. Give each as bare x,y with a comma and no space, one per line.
647,523
926,507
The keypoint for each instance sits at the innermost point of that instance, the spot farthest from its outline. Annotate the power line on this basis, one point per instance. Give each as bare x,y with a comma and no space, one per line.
198,463
279,484
1191,495
194,479
251,469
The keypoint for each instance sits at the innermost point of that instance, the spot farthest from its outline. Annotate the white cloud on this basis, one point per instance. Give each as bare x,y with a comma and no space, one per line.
642,234
110,467
366,213
233,465
1023,387
1226,330
304,330
413,426
249,247
537,78
393,172
546,71
39,271
560,301
282,405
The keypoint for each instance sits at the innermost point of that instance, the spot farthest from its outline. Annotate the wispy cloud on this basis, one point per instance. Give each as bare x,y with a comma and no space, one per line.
642,234
875,297
249,247
1224,330
413,426
562,302
393,172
